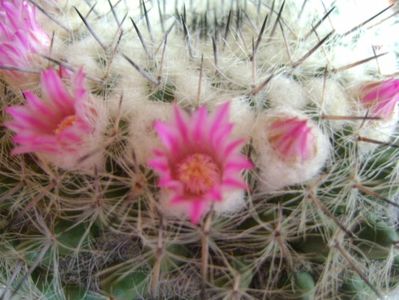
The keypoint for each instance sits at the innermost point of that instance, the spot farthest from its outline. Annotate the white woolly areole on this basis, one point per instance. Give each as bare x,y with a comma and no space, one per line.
232,202
90,154
184,77
381,130
92,52
143,138
129,84
275,173
236,70
286,92
242,116
330,99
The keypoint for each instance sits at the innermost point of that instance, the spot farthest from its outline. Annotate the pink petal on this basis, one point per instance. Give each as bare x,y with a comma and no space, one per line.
238,163
199,123
201,145
39,106
23,116
80,85
218,137
197,209
233,146
380,97
220,117
55,90
234,183
215,195
181,123
167,135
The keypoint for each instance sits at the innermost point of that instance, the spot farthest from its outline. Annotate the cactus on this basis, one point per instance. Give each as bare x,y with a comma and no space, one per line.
198,150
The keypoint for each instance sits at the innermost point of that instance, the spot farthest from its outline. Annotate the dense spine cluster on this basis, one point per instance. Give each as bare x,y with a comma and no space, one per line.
198,149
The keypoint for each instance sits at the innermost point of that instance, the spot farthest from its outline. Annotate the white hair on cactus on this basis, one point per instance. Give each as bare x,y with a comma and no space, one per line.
127,84
330,99
143,138
286,92
274,53
236,70
276,171
378,130
242,116
233,202
92,53
184,77
187,82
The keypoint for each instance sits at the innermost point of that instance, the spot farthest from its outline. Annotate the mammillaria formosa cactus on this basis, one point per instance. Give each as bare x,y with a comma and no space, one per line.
241,149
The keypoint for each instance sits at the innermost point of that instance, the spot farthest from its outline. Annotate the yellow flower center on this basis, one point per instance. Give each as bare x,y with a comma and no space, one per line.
198,172
65,123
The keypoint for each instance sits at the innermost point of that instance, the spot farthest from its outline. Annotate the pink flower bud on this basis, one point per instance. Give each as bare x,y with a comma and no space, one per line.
381,97
292,139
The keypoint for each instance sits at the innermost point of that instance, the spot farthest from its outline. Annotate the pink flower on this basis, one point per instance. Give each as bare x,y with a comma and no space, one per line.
381,97
20,37
56,125
292,139
200,161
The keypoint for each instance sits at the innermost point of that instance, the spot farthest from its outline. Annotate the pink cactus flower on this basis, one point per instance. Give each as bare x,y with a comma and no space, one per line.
21,37
381,97
292,139
56,125
199,161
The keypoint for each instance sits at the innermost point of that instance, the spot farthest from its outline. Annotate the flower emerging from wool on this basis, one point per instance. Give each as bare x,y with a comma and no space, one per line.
21,37
57,125
200,161
289,148
292,139
381,98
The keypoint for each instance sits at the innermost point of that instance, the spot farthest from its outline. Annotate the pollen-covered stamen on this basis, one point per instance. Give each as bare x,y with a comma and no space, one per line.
65,123
292,139
198,172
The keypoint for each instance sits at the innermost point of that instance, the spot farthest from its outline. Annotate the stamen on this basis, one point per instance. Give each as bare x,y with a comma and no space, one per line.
198,173
65,123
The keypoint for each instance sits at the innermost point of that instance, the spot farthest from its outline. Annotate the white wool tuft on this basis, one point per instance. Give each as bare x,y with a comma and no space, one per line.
330,99
381,130
242,116
286,92
233,202
143,138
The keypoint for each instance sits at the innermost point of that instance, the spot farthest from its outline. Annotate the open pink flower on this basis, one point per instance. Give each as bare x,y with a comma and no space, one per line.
56,125
381,97
200,161
20,37
292,139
